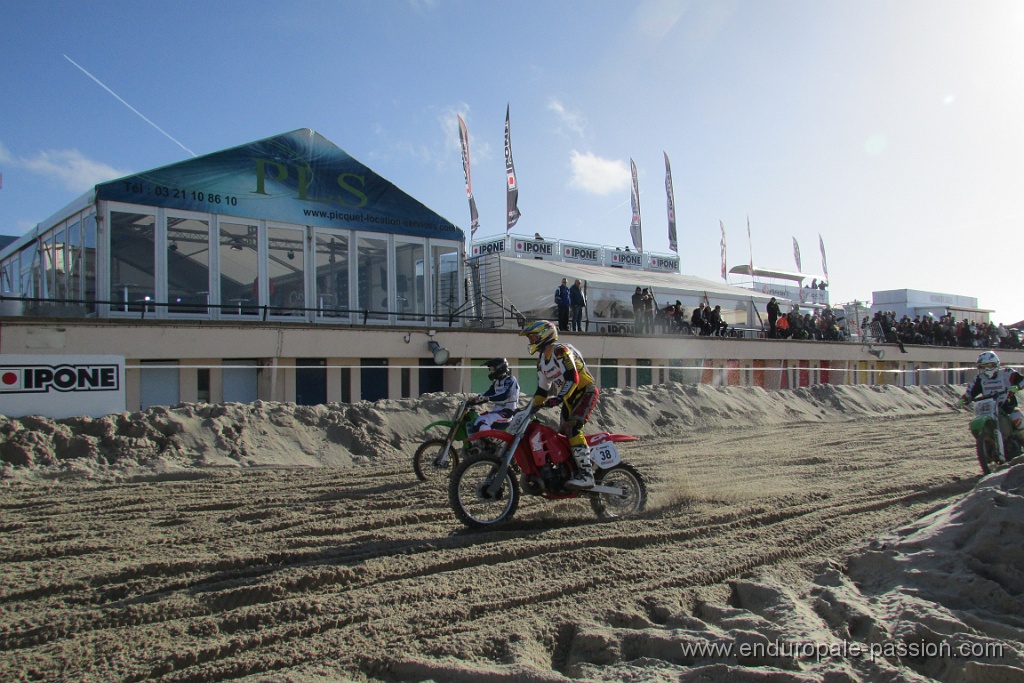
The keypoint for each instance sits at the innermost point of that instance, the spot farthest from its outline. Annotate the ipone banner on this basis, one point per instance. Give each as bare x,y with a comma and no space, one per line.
496,246
623,259
61,386
580,253
669,264
541,249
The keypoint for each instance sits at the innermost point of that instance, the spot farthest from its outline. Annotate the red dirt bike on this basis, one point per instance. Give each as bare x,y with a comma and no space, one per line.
531,457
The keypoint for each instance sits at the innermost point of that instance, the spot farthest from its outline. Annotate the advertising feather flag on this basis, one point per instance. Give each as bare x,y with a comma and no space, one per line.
750,243
670,194
722,225
510,173
634,225
796,256
474,217
824,265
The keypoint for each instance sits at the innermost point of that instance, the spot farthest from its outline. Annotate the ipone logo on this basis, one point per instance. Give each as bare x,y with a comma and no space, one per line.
666,263
39,379
494,247
627,259
581,253
546,249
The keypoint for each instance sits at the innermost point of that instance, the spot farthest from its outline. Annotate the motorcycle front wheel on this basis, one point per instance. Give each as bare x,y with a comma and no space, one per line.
988,452
426,461
470,497
634,496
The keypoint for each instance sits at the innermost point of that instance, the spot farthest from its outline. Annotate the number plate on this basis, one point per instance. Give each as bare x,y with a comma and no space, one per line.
605,455
987,407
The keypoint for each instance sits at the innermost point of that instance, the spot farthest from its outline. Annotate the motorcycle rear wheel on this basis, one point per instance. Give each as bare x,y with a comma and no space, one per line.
633,501
469,500
424,461
988,452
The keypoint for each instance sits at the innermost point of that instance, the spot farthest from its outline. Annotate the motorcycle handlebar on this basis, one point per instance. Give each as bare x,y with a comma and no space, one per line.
985,397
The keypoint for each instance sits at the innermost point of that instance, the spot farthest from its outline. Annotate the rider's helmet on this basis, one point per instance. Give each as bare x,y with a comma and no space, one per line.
499,368
988,363
540,334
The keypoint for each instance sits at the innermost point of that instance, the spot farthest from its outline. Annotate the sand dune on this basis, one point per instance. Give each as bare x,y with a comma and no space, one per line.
823,534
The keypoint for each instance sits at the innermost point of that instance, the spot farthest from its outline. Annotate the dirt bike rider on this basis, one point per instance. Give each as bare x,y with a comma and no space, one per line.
563,379
503,393
993,378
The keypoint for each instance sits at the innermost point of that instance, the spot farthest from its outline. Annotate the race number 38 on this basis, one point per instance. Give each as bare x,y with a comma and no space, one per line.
605,455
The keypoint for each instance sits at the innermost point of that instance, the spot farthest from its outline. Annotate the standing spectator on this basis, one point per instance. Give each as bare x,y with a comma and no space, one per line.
715,322
577,303
638,310
563,302
648,308
773,317
678,316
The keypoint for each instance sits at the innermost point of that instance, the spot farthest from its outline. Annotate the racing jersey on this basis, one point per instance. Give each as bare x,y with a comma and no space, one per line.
1005,377
562,374
503,393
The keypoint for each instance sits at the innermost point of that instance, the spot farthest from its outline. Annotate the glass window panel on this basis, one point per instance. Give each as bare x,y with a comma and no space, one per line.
59,289
332,275
409,281
45,286
373,277
75,262
285,266
446,280
238,252
188,265
132,259
89,258
28,262
10,276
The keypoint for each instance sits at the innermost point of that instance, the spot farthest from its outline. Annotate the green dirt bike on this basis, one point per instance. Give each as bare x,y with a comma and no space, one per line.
989,421
436,458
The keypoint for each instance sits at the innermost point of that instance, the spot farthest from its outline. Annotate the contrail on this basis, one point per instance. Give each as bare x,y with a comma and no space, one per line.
130,106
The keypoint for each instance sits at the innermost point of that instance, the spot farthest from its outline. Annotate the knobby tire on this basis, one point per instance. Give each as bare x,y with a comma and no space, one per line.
423,460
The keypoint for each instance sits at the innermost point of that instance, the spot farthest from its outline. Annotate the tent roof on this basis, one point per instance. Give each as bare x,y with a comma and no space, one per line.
548,274
299,177
766,272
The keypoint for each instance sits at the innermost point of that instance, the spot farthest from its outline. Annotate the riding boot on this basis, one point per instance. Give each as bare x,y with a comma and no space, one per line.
584,476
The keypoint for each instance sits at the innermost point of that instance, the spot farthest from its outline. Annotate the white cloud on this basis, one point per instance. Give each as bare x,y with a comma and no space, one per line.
5,154
70,167
593,174
656,18
572,120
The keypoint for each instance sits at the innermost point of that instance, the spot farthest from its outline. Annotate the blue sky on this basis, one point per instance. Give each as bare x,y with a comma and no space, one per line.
891,128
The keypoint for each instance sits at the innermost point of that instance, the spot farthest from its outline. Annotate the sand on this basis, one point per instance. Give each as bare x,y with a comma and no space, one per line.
822,534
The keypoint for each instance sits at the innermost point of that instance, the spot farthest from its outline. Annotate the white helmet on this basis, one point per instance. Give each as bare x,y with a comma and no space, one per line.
988,363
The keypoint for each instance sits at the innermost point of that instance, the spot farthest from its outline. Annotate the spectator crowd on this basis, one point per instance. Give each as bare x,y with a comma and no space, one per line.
945,331
825,324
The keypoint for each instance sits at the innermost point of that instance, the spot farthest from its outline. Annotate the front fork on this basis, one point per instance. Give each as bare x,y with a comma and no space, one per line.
984,424
506,461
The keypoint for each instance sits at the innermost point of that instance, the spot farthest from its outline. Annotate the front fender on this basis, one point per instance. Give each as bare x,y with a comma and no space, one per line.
492,434
601,437
983,423
447,424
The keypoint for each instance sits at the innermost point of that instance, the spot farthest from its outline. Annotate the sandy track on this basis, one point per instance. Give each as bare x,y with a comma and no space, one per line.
317,574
